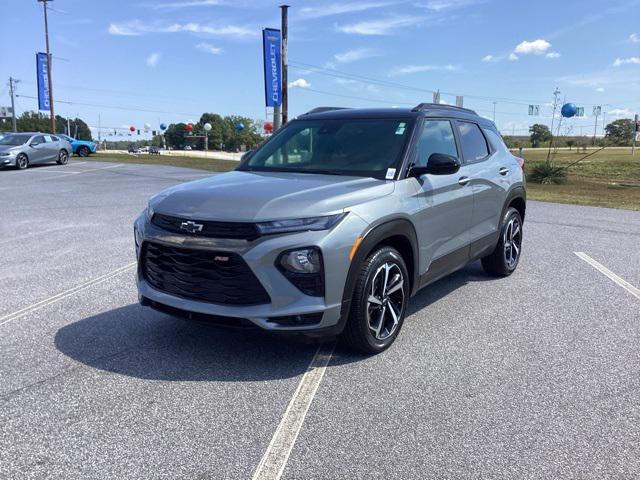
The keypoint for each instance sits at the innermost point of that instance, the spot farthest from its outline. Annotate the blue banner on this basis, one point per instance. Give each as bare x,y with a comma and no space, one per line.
271,43
43,81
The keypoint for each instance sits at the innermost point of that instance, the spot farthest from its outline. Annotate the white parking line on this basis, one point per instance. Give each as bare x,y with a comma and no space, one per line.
604,270
275,458
87,170
65,294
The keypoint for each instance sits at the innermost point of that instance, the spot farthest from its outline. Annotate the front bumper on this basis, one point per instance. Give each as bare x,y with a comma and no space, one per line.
8,160
260,255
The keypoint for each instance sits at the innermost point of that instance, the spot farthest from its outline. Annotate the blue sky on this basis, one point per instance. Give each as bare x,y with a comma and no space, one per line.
179,58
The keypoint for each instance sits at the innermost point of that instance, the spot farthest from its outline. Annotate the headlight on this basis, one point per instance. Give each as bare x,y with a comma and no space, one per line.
303,268
299,224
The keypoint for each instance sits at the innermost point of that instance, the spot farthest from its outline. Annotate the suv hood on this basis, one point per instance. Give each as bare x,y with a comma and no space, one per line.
260,196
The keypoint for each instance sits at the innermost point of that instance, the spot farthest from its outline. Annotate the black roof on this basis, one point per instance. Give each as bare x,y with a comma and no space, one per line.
422,110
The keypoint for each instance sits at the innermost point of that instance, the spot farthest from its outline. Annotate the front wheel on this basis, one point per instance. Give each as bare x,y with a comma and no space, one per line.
22,162
379,302
504,259
63,157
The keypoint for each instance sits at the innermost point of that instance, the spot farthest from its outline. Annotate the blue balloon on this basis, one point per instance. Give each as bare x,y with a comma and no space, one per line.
568,110
163,126
239,126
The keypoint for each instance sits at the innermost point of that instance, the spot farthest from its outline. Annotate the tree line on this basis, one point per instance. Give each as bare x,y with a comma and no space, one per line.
39,122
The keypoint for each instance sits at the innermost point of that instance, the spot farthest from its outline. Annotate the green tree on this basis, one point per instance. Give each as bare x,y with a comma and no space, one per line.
570,143
620,132
539,134
175,135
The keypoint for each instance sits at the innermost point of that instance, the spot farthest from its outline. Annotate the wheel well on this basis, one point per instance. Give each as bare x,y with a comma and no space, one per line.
403,245
519,204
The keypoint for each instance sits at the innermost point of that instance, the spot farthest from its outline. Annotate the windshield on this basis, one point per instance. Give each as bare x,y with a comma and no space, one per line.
14,139
360,147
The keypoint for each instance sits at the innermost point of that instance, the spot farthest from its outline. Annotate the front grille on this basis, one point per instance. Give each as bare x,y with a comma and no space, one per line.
213,229
215,277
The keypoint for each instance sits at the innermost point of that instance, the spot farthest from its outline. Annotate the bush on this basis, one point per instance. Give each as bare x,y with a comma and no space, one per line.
547,173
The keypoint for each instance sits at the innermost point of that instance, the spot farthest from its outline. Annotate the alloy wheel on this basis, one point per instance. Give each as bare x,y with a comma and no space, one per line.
385,303
63,157
512,242
22,162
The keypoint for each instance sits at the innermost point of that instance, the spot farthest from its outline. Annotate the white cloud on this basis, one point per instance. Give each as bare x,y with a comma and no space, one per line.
552,55
379,27
153,59
536,47
340,8
408,69
600,89
489,58
137,27
442,5
354,55
626,61
634,38
208,48
620,112
299,83
186,4
513,57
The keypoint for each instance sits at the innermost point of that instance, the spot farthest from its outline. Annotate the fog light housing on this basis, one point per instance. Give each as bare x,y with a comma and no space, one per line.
297,320
303,267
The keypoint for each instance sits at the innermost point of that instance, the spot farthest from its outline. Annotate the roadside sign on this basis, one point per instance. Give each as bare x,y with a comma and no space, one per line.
272,56
42,72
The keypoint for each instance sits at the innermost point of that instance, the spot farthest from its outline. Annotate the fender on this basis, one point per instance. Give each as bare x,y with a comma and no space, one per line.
515,192
373,237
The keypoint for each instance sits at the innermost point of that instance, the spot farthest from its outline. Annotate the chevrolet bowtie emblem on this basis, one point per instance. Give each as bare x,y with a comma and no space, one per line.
191,227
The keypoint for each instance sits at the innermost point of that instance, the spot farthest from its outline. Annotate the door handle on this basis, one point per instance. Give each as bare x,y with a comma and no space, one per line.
503,171
463,180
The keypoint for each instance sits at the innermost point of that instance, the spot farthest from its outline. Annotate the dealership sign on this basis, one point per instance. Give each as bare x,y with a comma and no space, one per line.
42,67
271,44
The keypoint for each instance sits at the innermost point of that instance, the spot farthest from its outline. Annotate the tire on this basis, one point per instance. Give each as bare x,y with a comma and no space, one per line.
63,157
503,261
373,326
83,151
22,161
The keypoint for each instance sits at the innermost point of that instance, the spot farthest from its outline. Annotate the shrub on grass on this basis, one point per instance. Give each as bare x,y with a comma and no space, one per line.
547,173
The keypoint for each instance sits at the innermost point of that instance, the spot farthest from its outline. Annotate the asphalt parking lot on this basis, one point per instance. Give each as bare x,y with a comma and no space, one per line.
532,376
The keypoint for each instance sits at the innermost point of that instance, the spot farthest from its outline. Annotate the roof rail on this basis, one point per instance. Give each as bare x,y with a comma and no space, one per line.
324,109
426,106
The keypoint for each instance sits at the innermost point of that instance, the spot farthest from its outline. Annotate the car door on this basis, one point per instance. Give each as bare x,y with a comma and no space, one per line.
445,217
38,151
52,147
487,177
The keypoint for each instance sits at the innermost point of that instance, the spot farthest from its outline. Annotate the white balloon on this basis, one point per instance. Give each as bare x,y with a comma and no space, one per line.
147,127
207,127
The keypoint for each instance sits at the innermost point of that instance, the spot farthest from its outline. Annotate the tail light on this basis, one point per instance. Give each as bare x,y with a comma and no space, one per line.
520,162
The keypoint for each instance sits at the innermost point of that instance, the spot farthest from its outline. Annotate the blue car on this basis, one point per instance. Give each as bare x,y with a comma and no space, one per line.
82,148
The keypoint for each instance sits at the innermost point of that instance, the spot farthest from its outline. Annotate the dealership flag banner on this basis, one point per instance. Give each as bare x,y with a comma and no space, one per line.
271,43
43,81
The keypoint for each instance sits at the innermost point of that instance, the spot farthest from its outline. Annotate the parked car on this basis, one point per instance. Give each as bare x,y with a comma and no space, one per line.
133,149
23,149
154,150
82,148
334,239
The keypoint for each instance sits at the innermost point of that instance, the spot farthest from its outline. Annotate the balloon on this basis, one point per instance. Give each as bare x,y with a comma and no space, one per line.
268,127
147,127
207,127
189,127
163,126
132,128
568,110
239,126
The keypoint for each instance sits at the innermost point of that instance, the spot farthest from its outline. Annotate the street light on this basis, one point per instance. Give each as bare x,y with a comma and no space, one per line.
46,36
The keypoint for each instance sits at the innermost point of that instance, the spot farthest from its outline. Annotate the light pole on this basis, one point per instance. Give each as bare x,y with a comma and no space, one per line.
12,91
46,36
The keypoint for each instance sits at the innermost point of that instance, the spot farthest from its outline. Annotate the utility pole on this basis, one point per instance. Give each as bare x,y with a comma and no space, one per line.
285,80
46,36
596,110
12,90
636,132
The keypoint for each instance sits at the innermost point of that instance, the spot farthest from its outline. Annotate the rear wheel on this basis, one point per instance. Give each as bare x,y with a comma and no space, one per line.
504,259
63,157
379,302
83,151
22,162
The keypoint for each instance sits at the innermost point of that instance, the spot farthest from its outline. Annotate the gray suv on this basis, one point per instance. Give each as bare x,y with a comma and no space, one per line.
331,225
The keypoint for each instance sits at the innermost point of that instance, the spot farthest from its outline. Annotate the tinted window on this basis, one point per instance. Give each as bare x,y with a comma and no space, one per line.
474,145
362,147
54,138
14,139
48,138
437,137
37,140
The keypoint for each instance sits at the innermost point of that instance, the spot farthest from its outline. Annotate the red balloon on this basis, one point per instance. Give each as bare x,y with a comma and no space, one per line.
132,128
189,127
268,127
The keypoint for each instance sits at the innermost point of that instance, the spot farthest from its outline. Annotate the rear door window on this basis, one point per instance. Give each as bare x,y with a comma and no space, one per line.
474,145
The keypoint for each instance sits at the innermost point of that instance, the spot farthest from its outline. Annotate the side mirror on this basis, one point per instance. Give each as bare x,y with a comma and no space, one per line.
437,164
